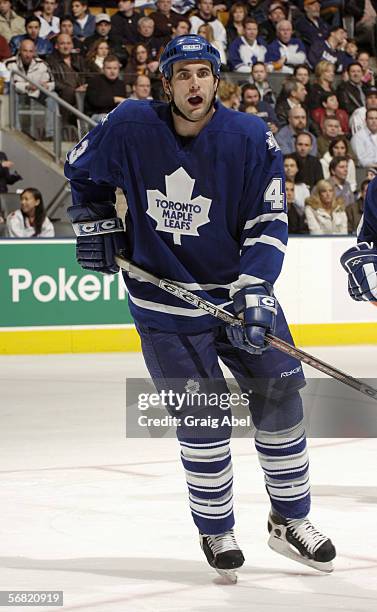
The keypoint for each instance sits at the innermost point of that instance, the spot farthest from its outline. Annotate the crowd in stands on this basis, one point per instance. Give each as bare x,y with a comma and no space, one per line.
324,116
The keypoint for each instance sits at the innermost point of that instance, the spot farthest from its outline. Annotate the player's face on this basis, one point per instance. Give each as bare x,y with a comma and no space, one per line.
290,168
192,88
28,203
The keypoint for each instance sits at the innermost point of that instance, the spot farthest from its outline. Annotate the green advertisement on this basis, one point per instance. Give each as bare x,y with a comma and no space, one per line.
42,284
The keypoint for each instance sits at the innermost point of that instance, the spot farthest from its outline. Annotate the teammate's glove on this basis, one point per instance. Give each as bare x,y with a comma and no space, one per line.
360,262
258,308
98,240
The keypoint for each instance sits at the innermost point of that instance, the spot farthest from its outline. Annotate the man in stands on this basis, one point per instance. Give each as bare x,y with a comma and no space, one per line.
33,67
204,14
11,24
364,142
165,19
43,46
124,23
309,167
310,27
247,49
68,69
338,178
330,50
351,93
285,52
50,24
141,89
105,91
294,94
358,117
297,123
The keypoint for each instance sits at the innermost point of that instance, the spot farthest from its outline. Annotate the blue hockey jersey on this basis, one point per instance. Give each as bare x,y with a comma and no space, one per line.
208,212
367,231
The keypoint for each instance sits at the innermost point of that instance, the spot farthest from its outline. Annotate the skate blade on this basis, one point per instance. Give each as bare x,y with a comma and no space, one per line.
283,548
229,575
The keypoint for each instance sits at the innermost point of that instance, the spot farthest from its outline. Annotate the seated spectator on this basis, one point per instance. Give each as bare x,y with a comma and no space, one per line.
68,69
330,130
139,63
204,14
363,58
330,109
182,28
258,9
351,49
31,66
297,123
251,97
285,52
50,23
324,83
339,147
66,27
30,220
356,210
145,28
259,78
358,117
276,12
141,89
124,23
302,74
234,27
206,31
293,94
105,91
6,178
229,94
325,214
85,22
5,51
296,220
330,50
11,24
165,19
247,49
338,178
309,26
43,46
309,167
96,56
351,93
364,142
301,191
102,32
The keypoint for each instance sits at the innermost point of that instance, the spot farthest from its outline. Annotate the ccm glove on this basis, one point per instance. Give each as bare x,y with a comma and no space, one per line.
98,240
360,262
258,308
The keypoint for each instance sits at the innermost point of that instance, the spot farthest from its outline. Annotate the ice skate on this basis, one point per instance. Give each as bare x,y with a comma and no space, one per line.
299,540
223,553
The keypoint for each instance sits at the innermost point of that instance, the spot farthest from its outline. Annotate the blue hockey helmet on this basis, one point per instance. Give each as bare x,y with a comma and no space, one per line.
188,47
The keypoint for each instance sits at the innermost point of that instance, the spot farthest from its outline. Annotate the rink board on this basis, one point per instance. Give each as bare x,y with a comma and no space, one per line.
50,305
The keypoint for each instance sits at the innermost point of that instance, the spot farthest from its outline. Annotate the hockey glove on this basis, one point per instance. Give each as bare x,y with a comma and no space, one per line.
360,262
98,240
258,308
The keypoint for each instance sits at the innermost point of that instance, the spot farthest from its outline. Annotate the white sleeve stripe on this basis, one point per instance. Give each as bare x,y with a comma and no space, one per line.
244,280
270,240
266,217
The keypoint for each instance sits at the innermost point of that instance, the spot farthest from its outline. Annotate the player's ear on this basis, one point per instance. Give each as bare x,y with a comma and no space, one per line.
167,88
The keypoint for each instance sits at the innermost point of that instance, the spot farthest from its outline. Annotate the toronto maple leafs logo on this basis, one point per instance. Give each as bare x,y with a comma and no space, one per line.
272,142
176,212
77,151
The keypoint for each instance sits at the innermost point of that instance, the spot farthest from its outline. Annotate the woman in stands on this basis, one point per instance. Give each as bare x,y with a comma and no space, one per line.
30,220
339,147
324,83
139,64
325,214
234,28
96,56
301,191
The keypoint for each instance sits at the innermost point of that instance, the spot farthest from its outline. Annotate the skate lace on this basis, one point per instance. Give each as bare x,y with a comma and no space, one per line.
306,533
222,543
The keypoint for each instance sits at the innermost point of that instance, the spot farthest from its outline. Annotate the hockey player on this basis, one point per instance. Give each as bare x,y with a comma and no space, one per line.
360,261
206,208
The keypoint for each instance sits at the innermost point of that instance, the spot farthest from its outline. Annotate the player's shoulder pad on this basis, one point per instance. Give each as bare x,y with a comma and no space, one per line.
251,126
134,111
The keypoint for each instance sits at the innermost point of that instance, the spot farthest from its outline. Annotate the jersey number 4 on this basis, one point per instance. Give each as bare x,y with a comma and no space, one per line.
274,194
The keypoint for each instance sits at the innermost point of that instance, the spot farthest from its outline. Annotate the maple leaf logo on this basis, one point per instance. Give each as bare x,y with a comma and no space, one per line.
175,212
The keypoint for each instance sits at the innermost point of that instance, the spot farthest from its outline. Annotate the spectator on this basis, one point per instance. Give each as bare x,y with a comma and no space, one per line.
43,46
85,22
229,94
247,49
141,89
324,83
324,212
363,58
357,120
66,27
251,97
205,15
165,19
30,221
364,142
338,178
206,31
351,93
68,69
146,36
105,91
258,9
32,67
234,27
330,130
330,50
302,74
309,26
139,63
102,32
124,23
351,49
356,210
296,221
259,78
50,24
276,12
285,52
301,190
5,51
330,110
309,167
11,24
293,94
339,147
365,26
297,123
182,28
96,56
6,178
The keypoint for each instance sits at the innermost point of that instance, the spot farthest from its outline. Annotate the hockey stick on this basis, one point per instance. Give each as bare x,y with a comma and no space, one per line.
174,289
